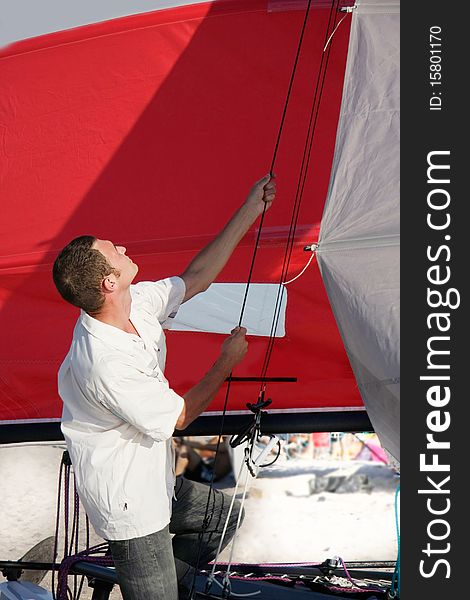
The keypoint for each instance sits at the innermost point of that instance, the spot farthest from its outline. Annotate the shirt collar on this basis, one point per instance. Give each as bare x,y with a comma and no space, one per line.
108,333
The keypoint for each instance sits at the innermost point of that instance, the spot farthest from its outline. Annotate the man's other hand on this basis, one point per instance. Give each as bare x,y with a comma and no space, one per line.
235,347
262,193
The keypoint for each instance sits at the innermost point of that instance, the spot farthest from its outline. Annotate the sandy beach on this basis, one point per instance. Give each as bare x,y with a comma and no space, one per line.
285,521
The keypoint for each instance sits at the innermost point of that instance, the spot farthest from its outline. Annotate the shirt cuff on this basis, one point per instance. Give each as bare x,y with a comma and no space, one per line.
178,291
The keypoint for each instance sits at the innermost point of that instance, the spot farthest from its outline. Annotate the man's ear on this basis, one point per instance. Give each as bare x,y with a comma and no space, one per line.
109,283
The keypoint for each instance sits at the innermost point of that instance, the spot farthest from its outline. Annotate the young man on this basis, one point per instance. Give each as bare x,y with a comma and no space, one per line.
120,413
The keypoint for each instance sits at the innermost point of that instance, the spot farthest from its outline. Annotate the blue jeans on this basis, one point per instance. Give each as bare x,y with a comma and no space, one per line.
156,567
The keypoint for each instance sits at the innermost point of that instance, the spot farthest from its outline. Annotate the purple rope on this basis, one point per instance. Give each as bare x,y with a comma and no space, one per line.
66,509
265,578
357,588
87,521
76,518
63,591
354,590
76,509
57,525
248,565
292,581
84,556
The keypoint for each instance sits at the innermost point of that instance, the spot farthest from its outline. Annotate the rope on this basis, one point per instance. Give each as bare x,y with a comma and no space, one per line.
206,520
85,555
335,584
274,565
333,32
212,577
57,525
238,595
395,588
301,272
288,253
300,187
226,580
71,538
276,147
224,531
250,274
297,202
66,508
252,467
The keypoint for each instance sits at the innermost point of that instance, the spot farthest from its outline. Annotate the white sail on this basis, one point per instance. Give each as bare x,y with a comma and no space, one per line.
358,249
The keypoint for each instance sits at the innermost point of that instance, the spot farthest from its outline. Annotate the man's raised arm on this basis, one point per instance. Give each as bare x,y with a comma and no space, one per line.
205,267
198,398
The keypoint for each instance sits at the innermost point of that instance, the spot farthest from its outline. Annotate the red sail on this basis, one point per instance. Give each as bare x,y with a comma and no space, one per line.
149,130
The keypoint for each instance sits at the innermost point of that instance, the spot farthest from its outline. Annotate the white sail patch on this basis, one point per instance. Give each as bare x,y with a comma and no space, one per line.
217,310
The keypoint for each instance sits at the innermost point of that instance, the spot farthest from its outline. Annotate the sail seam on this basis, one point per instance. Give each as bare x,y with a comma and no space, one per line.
356,243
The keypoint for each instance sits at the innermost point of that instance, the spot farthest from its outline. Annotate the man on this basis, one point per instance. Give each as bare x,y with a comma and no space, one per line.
120,413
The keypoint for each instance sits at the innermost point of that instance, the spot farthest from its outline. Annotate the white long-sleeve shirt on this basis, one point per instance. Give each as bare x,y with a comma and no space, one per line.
119,415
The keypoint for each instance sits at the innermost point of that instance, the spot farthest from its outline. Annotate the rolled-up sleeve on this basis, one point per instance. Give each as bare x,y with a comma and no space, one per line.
162,298
144,401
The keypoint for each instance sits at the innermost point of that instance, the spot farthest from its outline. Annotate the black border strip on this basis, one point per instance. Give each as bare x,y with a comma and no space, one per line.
434,119
347,421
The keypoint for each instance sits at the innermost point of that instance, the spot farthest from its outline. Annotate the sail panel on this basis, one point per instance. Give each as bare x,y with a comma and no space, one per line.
218,308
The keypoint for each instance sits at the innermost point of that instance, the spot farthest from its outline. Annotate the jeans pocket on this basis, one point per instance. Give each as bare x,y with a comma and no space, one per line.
119,550
179,482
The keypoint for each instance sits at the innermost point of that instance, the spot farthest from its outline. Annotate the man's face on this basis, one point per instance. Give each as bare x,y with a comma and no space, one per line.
117,258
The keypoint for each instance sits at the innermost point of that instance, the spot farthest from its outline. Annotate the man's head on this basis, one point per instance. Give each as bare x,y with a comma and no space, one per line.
88,270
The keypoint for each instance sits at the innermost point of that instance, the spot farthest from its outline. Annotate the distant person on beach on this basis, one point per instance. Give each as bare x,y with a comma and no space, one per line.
198,462
120,413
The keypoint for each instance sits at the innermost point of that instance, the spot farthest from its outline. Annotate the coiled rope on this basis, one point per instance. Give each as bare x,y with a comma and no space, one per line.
71,553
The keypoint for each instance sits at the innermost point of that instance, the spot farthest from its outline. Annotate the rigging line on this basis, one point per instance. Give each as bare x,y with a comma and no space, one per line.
205,521
308,156
211,576
294,69
276,147
290,246
227,589
296,207
291,82
299,196
300,187
305,158
250,274
57,527
301,272
247,485
291,234
333,32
